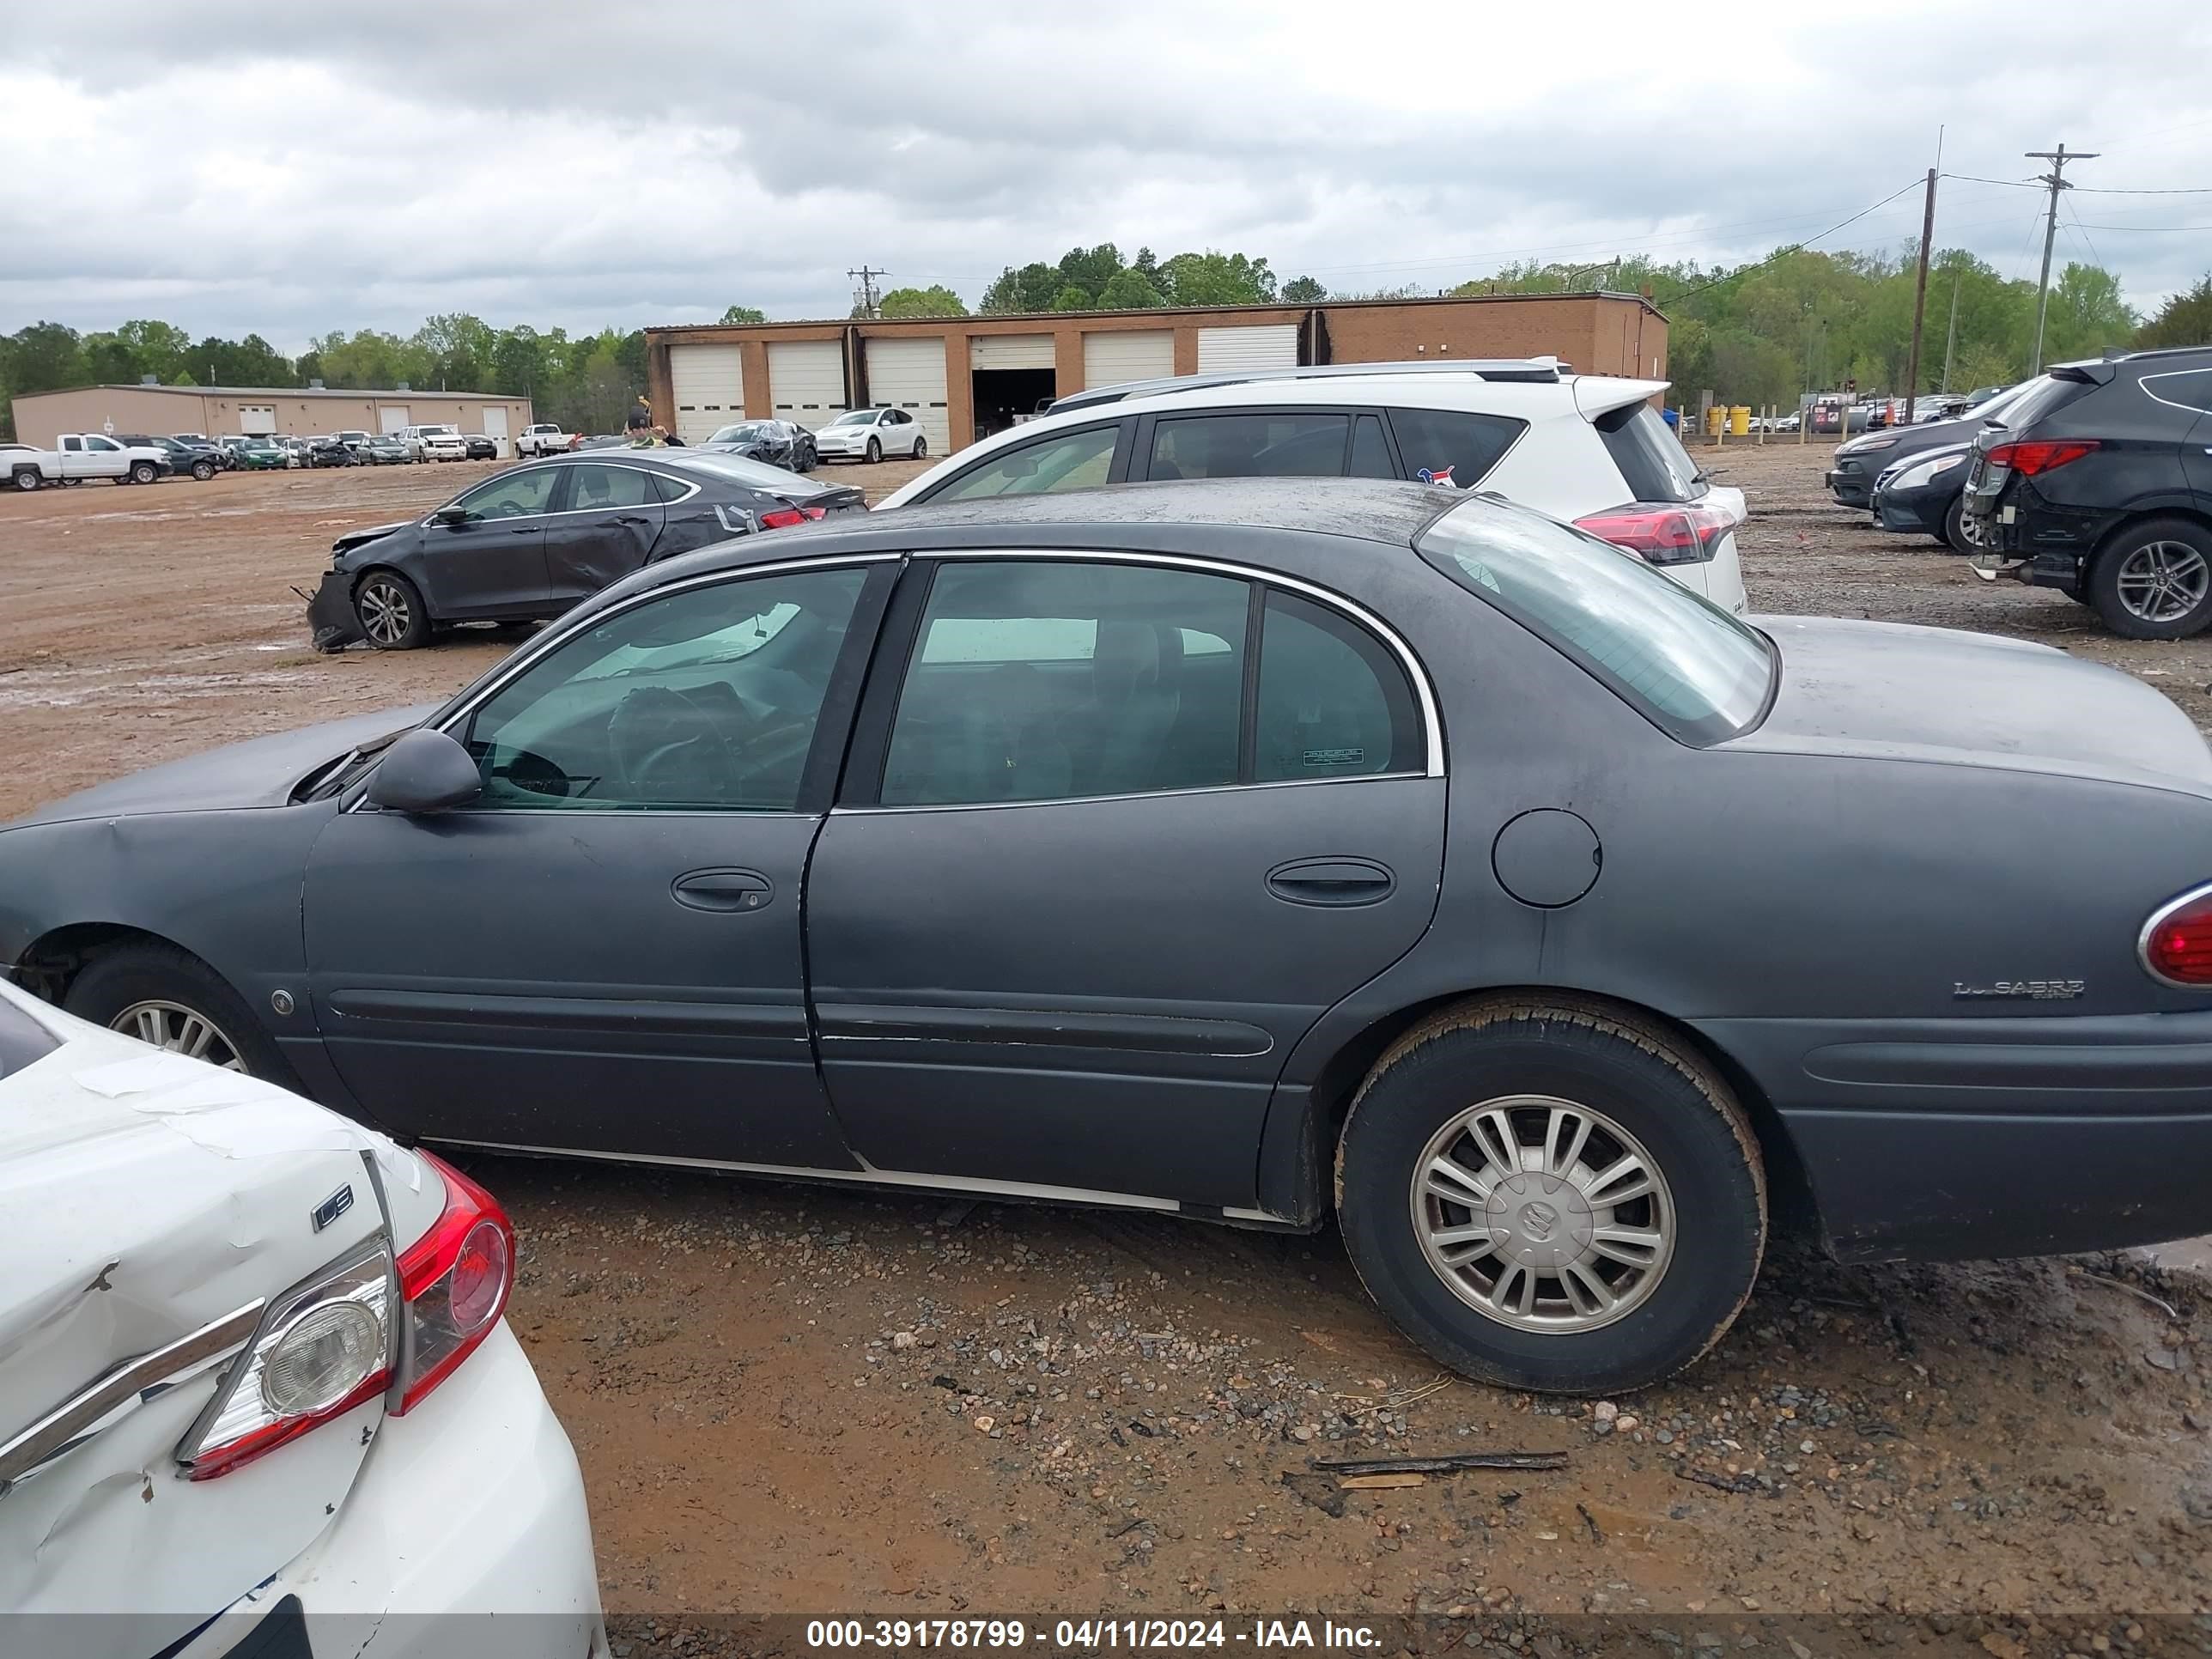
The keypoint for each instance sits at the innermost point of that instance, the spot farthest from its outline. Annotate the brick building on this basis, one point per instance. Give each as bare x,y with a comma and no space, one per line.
222,411
965,377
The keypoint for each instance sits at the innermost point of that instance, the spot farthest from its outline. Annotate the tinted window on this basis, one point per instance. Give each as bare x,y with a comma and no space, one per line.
2028,403
1334,701
1435,441
596,486
1046,680
1250,446
22,1039
511,495
737,468
1690,667
1653,463
703,701
1370,454
2191,388
1074,460
668,489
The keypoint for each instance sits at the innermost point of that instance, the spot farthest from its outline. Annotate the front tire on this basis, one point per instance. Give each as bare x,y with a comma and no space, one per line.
2153,580
203,471
171,999
391,612
1552,1195
921,449
875,451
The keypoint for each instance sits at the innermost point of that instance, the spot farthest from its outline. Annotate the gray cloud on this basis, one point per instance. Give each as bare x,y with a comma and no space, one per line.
245,168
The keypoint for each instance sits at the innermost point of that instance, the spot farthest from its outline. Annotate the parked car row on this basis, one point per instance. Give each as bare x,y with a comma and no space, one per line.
2094,478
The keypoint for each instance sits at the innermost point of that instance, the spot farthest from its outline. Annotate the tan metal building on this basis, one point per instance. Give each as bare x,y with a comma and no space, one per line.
222,411
964,377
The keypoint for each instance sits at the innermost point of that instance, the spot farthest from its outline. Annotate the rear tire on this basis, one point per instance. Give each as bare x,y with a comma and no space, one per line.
1561,1275
26,478
391,612
157,991
2153,580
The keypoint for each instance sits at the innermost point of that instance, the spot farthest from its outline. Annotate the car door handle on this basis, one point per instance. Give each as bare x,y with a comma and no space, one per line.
723,889
633,518
1336,883
521,529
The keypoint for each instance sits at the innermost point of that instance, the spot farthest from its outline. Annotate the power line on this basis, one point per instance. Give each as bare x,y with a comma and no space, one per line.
2057,180
2162,229
1795,247
2038,183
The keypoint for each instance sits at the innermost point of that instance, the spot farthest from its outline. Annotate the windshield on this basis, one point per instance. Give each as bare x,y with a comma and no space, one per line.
856,417
743,431
1687,665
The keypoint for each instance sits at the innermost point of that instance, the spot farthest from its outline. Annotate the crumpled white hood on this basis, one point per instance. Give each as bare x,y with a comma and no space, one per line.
147,1195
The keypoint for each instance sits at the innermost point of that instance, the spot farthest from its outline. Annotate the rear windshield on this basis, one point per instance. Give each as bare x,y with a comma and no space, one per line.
1687,665
740,470
2029,402
1651,457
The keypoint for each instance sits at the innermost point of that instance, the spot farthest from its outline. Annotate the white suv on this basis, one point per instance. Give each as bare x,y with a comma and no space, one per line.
436,443
1587,449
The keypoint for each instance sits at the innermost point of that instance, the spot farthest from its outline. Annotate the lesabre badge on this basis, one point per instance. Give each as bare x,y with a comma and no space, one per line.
1437,475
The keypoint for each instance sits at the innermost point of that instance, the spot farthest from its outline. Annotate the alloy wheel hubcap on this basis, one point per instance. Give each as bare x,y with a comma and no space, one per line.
181,1031
384,612
1542,1213
2163,581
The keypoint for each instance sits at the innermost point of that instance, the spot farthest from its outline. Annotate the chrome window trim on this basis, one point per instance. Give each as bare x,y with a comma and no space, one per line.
1423,691
128,1385
1133,794
2172,375
2203,890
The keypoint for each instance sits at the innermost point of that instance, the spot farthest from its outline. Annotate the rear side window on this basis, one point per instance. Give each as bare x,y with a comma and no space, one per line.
1250,446
2191,388
1451,445
1651,459
1371,452
1333,703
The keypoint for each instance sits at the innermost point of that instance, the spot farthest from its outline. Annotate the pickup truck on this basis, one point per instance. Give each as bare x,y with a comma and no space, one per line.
545,439
440,442
77,456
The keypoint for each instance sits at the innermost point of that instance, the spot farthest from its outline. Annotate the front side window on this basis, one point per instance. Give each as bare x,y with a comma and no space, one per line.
1687,665
103,444
1250,446
596,486
1074,460
1453,444
511,495
702,700
1046,680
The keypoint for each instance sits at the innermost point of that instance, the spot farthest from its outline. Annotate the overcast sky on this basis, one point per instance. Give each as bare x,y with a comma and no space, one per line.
289,169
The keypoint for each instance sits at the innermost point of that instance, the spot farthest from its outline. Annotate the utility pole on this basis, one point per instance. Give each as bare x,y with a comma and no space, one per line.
1951,337
867,278
2057,180
1920,299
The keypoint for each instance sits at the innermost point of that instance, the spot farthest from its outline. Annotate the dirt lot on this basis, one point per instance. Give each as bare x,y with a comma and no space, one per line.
801,1401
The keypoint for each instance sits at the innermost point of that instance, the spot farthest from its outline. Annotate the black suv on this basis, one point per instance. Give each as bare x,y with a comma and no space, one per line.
2100,483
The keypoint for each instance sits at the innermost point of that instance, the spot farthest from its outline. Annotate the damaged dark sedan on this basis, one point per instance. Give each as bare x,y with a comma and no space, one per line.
1256,850
532,542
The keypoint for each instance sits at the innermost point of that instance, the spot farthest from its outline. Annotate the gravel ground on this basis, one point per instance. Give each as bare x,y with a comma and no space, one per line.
796,1400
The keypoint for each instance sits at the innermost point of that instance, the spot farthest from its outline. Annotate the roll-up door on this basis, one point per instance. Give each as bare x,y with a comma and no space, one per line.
1113,355
910,375
709,383
806,378
1259,345
1010,351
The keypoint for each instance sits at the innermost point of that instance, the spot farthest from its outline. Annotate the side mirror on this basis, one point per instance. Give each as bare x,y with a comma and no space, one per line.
425,771
454,512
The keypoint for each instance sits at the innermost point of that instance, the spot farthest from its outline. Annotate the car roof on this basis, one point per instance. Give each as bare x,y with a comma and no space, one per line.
1542,371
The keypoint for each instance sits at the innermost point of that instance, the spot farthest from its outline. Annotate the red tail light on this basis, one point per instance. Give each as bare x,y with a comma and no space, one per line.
2042,455
783,518
1662,532
2177,941
454,1282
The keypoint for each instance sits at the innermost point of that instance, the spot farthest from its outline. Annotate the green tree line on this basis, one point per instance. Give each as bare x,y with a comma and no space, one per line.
1759,334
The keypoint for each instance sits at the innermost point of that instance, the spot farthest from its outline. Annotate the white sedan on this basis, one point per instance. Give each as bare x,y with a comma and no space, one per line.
870,434
256,1384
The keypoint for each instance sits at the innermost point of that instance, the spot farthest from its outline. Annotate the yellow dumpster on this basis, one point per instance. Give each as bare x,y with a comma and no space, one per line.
1714,417
1740,420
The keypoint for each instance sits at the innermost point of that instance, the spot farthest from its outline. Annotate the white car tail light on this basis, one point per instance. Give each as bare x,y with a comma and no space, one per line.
365,1326
1660,532
323,1349
455,1281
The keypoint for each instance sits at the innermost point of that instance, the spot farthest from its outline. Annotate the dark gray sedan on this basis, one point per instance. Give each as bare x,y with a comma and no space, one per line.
1255,850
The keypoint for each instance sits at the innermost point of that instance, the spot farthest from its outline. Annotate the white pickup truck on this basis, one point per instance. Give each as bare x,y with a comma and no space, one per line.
546,438
77,456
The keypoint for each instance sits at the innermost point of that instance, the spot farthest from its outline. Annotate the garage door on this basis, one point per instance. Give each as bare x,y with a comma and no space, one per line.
1265,345
1129,354
806,377
1010,351
254,419
910,375
709,384
392,417
495,427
